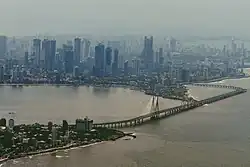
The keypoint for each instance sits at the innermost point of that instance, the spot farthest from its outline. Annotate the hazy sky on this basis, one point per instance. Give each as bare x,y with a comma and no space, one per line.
208,17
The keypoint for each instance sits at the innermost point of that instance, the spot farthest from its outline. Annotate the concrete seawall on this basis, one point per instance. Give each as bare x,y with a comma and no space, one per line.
173,111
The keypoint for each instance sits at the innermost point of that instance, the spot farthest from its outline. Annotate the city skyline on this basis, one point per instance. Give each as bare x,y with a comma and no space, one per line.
111,17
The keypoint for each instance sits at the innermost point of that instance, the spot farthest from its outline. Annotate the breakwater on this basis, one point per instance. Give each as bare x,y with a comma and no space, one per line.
173,111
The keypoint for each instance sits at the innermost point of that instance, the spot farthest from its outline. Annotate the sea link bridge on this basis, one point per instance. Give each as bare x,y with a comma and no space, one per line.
156,114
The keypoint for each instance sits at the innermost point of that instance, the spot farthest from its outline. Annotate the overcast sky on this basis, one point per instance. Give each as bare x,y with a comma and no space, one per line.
196,17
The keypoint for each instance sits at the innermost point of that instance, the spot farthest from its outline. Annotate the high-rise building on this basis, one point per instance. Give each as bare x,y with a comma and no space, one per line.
11,123
116,56
99,60
115,63
3,46
161,52
126,68
54,135
77,51
172,44
76,72
157,58
136,66
1,74
120,61
234,47
161,57
108,60
52,55
26,59
82,51
148,54
49,50
108,54
185,75
37,51
68,58
45,50
86,48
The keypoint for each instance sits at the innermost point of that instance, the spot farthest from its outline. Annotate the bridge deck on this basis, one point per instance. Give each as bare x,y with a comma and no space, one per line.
174,110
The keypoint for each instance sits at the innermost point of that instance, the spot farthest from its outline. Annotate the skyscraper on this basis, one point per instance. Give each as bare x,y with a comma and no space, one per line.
99,60
45,53
3,46
86,48
157,58
37,51
52,55
148,54
108,53
26,59
172,44
68,58
126,68
135,66
161,52
161,57
49,49
1,74
234,47
108,60
77,51
76,71
115,63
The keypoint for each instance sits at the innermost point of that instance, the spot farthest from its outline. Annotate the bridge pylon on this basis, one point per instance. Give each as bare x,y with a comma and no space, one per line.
155,108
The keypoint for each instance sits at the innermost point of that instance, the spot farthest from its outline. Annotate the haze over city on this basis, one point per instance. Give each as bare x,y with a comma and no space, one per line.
173,74
116,17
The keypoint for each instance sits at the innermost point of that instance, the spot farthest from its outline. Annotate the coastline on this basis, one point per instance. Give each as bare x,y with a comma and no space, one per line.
132,87
83,145
222,79
124,86
51,151
54,150
63,148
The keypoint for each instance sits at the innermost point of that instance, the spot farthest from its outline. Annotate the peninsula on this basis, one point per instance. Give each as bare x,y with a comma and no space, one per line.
26,140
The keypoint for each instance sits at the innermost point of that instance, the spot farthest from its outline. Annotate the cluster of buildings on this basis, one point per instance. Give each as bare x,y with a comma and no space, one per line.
46,60
18,139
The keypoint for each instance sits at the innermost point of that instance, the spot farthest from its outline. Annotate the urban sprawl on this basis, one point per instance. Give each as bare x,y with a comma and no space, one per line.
160,69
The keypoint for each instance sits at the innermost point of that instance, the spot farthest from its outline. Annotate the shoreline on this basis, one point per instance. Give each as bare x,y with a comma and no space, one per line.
124,86
51,151
54,150
222,79
113,85
62,148
77,145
